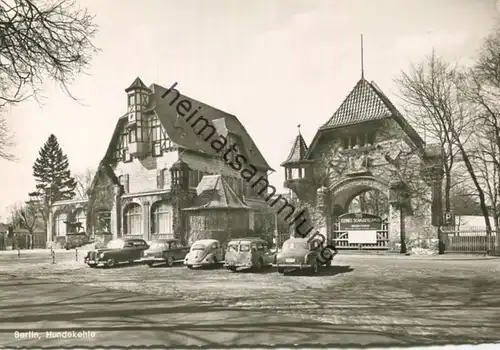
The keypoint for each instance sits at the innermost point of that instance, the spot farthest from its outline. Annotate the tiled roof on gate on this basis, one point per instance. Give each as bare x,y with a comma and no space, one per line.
363,103
298,151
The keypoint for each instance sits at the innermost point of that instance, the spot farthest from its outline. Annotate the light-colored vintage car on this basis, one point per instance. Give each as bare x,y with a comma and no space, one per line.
247,253
303,253
204,252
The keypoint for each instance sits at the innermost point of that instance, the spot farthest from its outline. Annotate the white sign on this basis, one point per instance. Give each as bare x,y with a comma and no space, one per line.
362,237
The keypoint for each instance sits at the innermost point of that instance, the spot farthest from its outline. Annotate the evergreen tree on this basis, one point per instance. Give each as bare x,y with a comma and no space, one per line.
51,169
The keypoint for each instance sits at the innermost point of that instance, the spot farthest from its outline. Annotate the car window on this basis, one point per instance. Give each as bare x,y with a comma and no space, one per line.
198,247
215,245
264,246
173,245
232,247
260,246
244,248
128,244
254,246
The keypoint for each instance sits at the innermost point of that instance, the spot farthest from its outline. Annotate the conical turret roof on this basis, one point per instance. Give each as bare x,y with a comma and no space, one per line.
137,84
298,151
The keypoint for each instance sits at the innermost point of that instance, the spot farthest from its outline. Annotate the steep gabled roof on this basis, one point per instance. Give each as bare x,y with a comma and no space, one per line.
181,133
217,194
366,102
298,151
362,104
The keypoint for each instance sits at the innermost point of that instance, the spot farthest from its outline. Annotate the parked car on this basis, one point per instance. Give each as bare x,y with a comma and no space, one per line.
204,252
165,251
247,253
298,254
117,251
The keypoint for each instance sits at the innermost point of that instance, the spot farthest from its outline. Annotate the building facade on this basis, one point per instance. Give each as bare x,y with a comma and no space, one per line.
367,145
161,173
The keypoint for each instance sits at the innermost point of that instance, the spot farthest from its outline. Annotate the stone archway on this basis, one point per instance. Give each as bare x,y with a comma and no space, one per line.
344,191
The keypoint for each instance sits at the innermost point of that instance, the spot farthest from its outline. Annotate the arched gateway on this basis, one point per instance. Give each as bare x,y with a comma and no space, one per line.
366,160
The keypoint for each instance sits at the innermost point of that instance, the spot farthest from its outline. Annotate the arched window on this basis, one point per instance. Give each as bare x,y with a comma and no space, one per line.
161,218
81,218
132,223
60,224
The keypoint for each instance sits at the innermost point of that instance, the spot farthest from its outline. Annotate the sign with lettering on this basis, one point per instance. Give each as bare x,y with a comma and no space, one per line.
361,227
359,222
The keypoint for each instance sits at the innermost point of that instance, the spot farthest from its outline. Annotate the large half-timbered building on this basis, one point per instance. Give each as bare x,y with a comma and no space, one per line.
160,178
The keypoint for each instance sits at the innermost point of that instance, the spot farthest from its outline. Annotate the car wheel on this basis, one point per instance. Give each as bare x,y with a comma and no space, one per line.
232,268
92,265
190,267
150,264
281,270
215,262
170,261
110,262
315,268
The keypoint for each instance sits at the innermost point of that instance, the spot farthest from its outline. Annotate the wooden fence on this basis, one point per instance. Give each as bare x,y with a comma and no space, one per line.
468,240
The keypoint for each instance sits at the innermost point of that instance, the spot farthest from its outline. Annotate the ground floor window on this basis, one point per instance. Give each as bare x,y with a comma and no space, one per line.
161,218
132,223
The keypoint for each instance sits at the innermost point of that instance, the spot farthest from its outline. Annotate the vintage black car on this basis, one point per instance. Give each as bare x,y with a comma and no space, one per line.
301,253
165,251
117,251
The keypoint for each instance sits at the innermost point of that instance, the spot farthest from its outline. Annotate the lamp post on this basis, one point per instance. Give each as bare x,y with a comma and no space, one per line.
48,198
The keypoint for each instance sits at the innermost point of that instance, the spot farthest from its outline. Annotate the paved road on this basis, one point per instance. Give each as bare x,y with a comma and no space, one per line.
363,300
127,318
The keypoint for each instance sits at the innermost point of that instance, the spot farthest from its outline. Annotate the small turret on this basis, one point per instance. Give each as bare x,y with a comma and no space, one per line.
138,99
297,167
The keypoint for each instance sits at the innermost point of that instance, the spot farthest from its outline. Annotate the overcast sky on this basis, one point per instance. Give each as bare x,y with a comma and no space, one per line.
273,64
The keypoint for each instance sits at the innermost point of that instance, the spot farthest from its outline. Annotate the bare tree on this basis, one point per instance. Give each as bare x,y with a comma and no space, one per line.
5,139
486,162
25,216
438,92
429,92
84,183
50,39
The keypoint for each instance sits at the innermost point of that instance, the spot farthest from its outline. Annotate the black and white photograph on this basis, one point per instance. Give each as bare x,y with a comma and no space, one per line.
217,174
